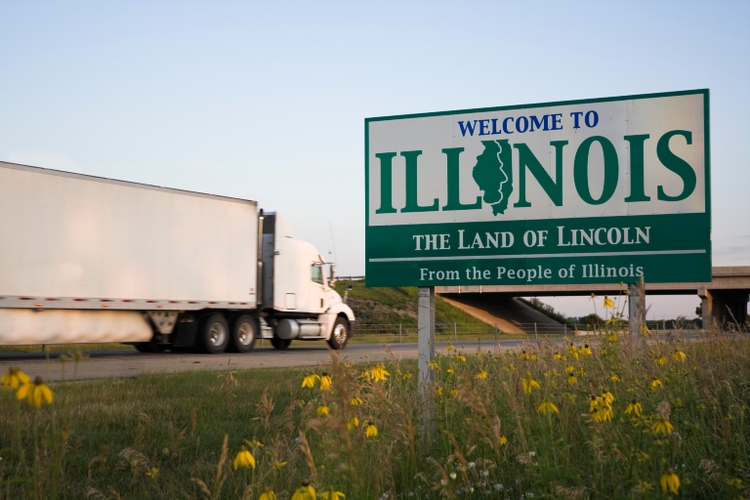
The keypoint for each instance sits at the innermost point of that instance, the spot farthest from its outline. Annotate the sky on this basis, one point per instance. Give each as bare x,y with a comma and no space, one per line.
267,100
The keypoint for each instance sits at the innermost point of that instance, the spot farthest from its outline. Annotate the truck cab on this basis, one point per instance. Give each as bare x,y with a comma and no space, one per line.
297,298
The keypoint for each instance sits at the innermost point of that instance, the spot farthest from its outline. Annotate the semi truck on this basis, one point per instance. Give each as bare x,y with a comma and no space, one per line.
86,259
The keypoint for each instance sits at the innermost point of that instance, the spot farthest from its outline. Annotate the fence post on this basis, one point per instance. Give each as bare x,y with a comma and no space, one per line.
495,333
455,338
565,329
536,336
399,334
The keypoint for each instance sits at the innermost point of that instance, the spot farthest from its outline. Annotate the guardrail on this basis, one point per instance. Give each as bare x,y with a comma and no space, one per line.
457,331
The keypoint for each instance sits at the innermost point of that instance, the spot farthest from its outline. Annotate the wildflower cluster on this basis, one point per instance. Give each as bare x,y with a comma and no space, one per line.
503,424
600,407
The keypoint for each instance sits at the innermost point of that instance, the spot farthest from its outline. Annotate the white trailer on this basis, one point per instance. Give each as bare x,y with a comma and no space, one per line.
86,259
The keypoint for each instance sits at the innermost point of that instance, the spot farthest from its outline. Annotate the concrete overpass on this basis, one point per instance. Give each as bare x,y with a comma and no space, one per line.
724,299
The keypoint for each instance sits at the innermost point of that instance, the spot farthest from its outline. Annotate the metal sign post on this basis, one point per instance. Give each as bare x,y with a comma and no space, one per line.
426,347
636,309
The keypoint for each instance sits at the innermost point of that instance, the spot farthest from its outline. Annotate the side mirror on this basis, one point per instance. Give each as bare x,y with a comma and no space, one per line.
332,278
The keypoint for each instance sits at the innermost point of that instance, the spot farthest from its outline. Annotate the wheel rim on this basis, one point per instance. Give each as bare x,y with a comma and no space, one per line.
217,334
339,333
245,334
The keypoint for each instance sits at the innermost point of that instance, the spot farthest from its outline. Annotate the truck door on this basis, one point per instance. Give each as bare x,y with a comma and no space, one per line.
318,288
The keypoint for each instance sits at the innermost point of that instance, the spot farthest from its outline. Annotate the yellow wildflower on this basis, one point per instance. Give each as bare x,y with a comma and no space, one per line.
14,379
572,380
351,424
608,303
662,427
35,392
267,495
600,407
449,347
572,350
323,410
581,372
569,369
670,482
586,350
309,380
453,393
377,373
433,365
645,329
524,356
153,472
371,431
244,459
460,357
679,356
502,441
547,407
355,401
407,376
482,375
451,370
602,414
557,356
612,337
643,487
529,384
325,382
634,407
655,383
438,391
533,357
594,402
735,483
278,465
305,492
615,378
661,360
332,495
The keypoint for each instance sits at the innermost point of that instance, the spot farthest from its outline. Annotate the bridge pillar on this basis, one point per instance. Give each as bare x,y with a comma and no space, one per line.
721,307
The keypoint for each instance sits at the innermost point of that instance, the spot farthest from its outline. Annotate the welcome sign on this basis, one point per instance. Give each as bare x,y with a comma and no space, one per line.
591,191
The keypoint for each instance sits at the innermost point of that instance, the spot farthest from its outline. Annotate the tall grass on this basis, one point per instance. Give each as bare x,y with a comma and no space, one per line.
176,436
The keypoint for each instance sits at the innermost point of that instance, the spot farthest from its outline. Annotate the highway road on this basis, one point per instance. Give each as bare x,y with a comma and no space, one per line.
128,364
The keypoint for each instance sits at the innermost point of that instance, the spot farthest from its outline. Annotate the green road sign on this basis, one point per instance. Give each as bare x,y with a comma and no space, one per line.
592,191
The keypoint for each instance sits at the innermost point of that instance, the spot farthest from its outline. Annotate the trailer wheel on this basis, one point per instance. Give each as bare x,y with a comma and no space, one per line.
280,344
340,334
244,332
214,334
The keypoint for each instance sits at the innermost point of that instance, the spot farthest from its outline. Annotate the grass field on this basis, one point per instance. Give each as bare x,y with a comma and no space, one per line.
625,421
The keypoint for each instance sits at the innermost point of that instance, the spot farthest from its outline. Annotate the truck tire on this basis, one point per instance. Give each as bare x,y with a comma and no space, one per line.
214,334
244,333
340,334
280,344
